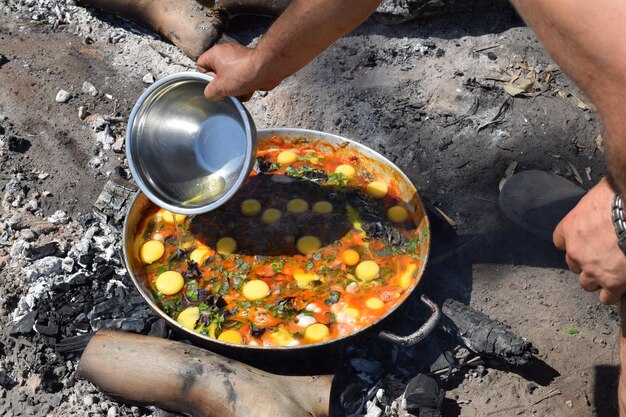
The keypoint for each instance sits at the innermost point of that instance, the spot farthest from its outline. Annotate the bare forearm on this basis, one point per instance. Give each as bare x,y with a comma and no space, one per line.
307,28
588,41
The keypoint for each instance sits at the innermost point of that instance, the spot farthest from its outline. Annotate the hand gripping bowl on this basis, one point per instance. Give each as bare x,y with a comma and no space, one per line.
189,155
376,164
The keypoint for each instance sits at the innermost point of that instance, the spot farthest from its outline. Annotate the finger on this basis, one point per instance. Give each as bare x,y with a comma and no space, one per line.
572,264
246,97
206,61
609,297
558,237
213,91
587,283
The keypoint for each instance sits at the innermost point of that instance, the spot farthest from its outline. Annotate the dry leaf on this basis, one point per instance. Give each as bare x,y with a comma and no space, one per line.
508,173
599,143
513,90
575,172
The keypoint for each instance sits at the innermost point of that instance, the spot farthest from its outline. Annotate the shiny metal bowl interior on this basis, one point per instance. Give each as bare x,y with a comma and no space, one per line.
188,154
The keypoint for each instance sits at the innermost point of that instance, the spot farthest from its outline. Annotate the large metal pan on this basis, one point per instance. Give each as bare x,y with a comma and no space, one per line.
375,163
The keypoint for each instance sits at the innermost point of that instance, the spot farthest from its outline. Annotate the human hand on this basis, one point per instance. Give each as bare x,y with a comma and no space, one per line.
587,236
238,71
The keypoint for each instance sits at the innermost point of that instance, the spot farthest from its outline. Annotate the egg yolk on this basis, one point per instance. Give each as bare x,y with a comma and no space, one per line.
169,217
226,246
350,257
200,254
377,189
188,317
250,208
316,332
297,205
308,244
271,215
230,336
151,251
397,214
367,270
169,282
255,290
374,303
286,157
322,207
346,170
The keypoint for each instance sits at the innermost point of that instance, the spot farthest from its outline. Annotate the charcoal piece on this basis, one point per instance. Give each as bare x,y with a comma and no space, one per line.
25,325
73,344
158,329
51,329
111,202
19,145
70,310
77,280
103,307
49,249
133,325
104,272
423,397
3,60
487,337
367,366
85,259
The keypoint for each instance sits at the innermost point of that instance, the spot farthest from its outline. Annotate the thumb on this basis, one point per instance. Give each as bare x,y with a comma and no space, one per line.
205,61
214,91
610,296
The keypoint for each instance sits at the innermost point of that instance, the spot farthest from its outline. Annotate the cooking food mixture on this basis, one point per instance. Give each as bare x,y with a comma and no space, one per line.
312,248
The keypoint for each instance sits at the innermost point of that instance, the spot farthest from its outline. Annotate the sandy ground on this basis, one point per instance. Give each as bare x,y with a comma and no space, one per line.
406,92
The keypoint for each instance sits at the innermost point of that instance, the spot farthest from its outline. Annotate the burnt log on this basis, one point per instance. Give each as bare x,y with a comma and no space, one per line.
393,12
111,203
179,377
485,336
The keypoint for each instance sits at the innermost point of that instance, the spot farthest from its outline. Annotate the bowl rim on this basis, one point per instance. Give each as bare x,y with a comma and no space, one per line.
131,140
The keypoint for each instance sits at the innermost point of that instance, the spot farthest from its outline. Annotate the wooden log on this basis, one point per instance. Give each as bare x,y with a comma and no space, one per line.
179,377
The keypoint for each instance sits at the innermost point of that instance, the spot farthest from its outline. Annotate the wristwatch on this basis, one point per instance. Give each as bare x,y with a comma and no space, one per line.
618,221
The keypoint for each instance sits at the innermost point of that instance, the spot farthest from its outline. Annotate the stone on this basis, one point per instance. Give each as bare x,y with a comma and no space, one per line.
19,145
112,412
39,252
62,96
90,89
59,217
28,235
148,78
82,113
25,325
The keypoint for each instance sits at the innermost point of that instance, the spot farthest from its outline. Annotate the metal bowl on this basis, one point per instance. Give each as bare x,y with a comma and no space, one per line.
189,155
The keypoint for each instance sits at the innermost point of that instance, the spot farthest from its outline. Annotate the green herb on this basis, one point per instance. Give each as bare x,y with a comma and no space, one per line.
237,281
303,171
192,294
162,268
307,313
337,178
309,265
203,307
571,331
333,298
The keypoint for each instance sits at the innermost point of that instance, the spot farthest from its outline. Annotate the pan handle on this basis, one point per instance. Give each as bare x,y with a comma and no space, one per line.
421,333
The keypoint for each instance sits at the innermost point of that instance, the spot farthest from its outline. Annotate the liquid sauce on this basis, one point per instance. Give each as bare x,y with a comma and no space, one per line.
312,248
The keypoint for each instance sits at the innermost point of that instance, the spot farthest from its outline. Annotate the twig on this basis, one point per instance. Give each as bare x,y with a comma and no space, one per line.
484,48
551,394
499,117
